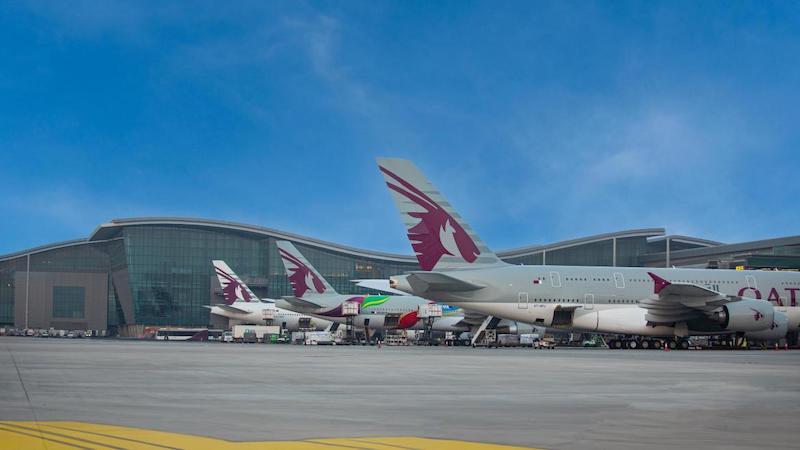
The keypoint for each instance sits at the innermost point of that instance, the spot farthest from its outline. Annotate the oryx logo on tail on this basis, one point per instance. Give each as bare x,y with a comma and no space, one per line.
301,276
232,290
437,233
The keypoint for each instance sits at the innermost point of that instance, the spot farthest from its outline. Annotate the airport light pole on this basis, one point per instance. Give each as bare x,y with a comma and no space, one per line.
27,288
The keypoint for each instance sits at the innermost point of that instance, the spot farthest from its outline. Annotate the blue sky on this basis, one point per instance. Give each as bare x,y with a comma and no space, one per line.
540,121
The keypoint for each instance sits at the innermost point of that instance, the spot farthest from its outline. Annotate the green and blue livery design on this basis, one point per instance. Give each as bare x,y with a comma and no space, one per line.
374,300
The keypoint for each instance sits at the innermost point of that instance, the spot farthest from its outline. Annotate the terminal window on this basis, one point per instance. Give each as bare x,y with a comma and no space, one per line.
68,302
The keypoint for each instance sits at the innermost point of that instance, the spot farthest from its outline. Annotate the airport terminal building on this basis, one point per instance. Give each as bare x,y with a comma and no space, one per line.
131,273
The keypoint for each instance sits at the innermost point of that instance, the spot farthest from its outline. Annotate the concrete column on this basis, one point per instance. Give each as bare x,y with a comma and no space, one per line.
614,250
544,258
668,253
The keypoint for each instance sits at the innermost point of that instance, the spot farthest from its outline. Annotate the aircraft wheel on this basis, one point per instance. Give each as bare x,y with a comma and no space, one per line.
613,344
657,343
684,344
646,345
633,345
672,344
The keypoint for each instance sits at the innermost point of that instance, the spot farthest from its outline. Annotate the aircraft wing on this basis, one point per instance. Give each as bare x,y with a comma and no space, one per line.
439,282
229,308
472,318
381,285
678,302
301,303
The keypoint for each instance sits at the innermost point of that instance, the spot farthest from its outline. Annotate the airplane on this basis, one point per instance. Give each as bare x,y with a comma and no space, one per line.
314,296
668,303
243,306
471,319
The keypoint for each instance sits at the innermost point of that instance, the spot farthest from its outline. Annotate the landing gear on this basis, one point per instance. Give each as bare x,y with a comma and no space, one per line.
672,344
633,344
647,345
684,344
615,344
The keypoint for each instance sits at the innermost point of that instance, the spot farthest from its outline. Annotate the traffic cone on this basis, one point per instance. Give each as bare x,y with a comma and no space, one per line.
666,346
786,346
776,346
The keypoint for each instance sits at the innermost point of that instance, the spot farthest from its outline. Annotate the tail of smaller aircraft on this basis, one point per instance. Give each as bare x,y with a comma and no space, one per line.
439,236
233,288
305,280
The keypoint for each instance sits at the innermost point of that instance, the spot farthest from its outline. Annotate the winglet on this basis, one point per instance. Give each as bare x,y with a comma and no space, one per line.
659,283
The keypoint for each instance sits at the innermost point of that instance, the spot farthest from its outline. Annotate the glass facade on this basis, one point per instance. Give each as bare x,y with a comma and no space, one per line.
7,292
169,270
69,302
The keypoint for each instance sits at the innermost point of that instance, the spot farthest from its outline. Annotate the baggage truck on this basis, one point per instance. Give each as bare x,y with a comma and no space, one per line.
259,330
319,338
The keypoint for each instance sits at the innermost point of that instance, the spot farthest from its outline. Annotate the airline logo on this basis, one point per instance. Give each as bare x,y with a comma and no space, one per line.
437,233
757,314
374,300
232,289
302,278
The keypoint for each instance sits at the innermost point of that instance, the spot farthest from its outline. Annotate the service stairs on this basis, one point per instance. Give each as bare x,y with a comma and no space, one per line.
489,323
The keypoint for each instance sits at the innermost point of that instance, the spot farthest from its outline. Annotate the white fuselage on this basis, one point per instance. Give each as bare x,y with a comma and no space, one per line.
258,312
604,299
377,321
387,312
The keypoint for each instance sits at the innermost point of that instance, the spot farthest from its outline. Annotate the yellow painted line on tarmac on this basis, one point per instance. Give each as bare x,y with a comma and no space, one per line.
58,435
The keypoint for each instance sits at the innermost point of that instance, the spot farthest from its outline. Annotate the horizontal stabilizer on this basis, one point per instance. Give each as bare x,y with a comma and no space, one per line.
380,285
301,303
228,308
439,282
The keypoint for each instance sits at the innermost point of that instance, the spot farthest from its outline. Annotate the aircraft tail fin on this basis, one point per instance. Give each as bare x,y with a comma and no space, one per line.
439,236
304,278
233,288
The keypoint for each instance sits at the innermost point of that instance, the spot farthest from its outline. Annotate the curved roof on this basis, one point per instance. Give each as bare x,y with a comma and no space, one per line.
522,251
688,239
726,249
112,230
43,248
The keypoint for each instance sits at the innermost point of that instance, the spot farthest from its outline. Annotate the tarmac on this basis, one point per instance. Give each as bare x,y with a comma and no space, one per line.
251,395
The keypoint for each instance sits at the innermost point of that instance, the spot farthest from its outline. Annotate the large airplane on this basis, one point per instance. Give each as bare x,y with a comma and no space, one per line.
471,319
314,296
243,306
671,304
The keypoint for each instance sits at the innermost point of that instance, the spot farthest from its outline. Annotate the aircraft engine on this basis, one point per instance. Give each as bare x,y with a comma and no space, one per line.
778,329
746,315
512,327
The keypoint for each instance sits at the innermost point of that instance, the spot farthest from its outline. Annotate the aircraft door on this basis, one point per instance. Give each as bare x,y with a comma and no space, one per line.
588,301
522,302
555,279
619,280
